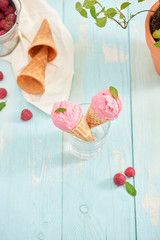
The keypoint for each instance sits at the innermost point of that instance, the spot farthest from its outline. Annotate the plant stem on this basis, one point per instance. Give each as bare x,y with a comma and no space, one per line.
116,21
99,4
139,13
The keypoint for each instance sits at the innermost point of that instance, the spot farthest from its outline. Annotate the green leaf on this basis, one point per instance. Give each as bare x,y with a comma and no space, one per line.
60,110
131,16
83,13
140,1
124,5
156,34
130,189
121,16
78,6
101,22
89,3
114,92
111,11
157,44
2,105
93,12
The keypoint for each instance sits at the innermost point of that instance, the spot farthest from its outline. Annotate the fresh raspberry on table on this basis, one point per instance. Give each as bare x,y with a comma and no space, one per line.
2,32
4,5
1,16
130,172
26,115
3,93
1,76
11,17
119,179
9,10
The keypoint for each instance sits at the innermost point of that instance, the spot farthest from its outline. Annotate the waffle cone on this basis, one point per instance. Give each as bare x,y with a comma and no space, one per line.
83,131
43,38
31,79
93,119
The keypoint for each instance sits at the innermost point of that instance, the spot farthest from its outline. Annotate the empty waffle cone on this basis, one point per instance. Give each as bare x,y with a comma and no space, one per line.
31,79
93,119
83,131
43,38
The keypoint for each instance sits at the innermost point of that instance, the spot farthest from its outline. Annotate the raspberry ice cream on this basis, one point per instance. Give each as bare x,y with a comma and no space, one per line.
71,120
104,107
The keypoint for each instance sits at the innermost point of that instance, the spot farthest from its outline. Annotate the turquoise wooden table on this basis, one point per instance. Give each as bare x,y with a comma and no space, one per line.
47,193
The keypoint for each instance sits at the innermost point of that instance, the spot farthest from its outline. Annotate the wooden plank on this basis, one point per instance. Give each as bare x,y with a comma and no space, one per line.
93,208
146,118
30,167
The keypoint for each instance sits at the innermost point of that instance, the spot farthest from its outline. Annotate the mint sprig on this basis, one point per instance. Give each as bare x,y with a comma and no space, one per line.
60,110
2,105
116,14
114,92
130,189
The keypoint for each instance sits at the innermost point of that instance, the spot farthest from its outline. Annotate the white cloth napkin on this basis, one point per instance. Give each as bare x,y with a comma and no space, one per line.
59,72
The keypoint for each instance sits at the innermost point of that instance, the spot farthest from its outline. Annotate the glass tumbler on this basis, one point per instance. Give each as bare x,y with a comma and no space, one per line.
9,41
89,150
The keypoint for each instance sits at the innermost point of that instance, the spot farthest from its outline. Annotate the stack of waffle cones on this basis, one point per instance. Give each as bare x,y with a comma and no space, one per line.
42,50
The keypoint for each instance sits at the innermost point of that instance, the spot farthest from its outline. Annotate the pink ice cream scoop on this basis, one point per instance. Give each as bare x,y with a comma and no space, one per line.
69,119
106,106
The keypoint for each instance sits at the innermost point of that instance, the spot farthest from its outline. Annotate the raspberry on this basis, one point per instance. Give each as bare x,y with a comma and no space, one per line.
130,172
2,32
1,16
26,115
119,179
4,5
1,76
9,11
3,23
3,93
11,17
6,25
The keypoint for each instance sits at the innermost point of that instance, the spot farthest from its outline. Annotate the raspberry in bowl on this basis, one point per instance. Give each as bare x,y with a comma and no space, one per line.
9,18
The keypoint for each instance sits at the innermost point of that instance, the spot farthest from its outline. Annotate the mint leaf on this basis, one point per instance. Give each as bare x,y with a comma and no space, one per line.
140,1
101,22
111,11
60,110
102,10
83,13
114,92
2,105
156,34
130,189
157,44
121,16
131,16
93,12
124,5
88,3
78,6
